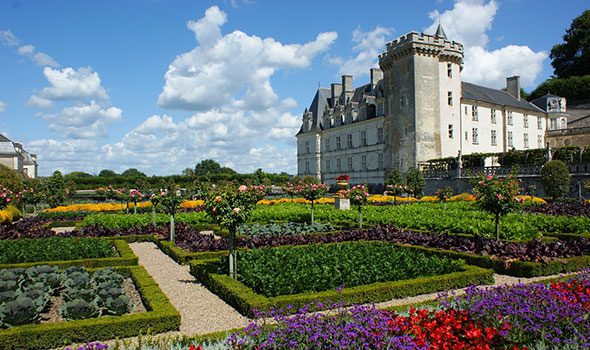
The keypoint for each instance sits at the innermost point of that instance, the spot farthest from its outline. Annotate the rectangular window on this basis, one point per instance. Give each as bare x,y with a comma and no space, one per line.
328,145
466,136
450,131
349,140
540,141
526,140
509,141
465,111
493,114
363,138
525,121
307,168
380,109
338,143
380,135
509,117
364,162
338,164
539,123
349,163
380,160
328,166
475,136
450,98
449,70
552,124
474,114
306,146
494,138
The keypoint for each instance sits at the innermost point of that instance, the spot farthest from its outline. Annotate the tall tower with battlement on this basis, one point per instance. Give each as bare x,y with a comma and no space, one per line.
422,90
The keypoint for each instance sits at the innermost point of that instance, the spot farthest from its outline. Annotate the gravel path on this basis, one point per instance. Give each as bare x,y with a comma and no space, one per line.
202,312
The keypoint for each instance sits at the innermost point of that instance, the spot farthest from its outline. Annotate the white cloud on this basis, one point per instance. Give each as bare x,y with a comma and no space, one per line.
7,38
468,23
232,69
85,121
2,106
71,84
39,102
368,46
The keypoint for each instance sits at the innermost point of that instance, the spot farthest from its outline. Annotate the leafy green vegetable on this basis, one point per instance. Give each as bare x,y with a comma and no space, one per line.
55,248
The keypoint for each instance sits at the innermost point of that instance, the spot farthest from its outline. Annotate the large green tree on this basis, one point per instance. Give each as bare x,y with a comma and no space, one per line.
54,189
107,173
572,57
133,173
211,167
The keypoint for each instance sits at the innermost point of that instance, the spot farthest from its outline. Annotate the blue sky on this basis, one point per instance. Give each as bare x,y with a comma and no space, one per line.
159,85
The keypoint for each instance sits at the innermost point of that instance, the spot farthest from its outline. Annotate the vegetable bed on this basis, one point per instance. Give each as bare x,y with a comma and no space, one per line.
50,249
160,315
316,268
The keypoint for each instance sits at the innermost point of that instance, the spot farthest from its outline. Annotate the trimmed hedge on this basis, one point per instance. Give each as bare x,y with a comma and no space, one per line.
126,258
518,268
246,301
184,257
160,317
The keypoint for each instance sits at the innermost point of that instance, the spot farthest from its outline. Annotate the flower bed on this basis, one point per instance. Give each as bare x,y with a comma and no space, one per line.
316,268
562,208
246,300
159,317
535,316
50,249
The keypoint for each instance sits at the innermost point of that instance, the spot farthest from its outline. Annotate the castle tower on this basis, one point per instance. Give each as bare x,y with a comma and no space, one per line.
422,88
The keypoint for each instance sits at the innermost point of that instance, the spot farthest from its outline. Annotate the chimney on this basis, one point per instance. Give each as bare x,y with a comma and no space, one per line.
336,91
376,75
347,83
513,86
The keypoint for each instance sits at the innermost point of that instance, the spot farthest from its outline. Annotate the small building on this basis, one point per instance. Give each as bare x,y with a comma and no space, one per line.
14,156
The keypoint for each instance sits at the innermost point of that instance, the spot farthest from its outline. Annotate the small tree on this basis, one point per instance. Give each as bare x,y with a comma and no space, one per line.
135,196
30,195
415,181
169,200
394,184
54,190
443,194
358,196
555,178
312,192
290,189
231,207
497,196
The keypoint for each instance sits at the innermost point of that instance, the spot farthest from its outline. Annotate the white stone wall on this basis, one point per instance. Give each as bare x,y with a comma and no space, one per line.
372,170
450,115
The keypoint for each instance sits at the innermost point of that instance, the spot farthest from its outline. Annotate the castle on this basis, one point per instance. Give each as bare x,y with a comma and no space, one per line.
415,108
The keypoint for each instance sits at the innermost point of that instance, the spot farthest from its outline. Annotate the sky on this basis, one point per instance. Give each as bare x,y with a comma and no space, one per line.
160,85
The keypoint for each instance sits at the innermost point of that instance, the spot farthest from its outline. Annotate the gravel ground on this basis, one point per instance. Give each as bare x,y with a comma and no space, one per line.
202,312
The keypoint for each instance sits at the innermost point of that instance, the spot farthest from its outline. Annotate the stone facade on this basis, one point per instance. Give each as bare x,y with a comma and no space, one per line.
415,108
14,156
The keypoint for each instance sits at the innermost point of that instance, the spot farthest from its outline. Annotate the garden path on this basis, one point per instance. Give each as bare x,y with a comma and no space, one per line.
201,311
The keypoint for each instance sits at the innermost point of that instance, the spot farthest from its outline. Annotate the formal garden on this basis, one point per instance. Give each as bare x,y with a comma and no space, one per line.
228,266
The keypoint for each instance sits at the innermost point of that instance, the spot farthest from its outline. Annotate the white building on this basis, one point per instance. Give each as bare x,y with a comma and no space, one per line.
14,156
415,108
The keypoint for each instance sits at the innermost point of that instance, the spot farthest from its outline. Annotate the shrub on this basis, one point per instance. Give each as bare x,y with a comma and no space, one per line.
415,182
555,179
53,249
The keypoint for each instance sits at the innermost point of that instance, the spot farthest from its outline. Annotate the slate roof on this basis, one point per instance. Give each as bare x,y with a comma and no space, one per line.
319,103
484,94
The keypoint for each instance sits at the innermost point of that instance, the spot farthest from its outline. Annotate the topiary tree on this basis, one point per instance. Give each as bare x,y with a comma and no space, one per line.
135,196
555,178
54,189
415,181
394,184
230,207
443,194
169,199
312,192
497,196
358,197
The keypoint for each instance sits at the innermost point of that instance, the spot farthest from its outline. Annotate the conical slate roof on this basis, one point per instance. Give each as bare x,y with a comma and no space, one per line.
440,32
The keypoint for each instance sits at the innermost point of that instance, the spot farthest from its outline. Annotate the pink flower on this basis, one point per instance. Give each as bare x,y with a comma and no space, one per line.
243,188
489,177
